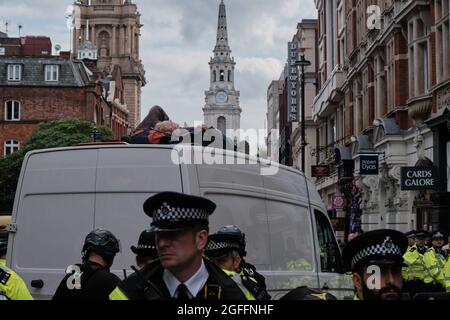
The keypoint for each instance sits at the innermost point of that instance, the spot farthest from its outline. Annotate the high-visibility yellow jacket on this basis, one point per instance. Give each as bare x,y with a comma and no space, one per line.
12,287
237,278
414,265
117,294
447,275
434,262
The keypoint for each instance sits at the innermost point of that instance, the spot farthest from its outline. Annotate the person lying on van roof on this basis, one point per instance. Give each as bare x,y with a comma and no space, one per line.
181,224
145,250
92,279
226,249
380,251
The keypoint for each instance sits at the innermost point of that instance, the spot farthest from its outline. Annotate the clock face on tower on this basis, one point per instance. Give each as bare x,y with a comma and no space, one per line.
221,97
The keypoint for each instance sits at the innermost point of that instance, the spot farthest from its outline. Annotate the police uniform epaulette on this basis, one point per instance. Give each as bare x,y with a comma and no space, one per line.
412,249
4,276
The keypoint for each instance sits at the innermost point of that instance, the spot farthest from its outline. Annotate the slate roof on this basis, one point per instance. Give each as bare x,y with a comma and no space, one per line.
71,74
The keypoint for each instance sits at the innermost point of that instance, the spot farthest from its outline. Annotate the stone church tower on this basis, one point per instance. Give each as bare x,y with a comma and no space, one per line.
113,27
222,109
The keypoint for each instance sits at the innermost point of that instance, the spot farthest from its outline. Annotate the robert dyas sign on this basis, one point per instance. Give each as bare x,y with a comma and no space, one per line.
419,178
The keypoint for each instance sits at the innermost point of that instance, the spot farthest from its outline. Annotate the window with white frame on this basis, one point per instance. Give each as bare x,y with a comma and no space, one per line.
10,147
14,72
12,111
419,57
51,73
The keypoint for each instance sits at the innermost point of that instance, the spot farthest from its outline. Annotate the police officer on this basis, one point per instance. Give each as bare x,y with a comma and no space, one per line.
447,275
145,250
226,249
411,236
380,251
12,287
181,224
92,279
414,270
434,262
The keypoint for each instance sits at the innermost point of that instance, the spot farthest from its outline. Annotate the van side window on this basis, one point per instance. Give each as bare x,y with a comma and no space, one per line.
291,237
330,260
249,214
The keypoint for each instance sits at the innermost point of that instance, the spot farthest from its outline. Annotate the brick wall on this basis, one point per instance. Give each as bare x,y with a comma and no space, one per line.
37,105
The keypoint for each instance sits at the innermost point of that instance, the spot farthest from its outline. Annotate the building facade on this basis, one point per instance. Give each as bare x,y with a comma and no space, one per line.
384,92
307,35
113,26
34,89
222,109
274,95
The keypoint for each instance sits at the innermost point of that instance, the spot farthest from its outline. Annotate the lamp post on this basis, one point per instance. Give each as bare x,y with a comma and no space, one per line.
303,63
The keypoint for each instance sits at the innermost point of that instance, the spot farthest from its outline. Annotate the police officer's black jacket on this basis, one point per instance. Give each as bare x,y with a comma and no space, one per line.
148,284
96,284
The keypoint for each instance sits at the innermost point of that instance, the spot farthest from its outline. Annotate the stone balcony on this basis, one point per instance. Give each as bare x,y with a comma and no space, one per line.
330,94
403,7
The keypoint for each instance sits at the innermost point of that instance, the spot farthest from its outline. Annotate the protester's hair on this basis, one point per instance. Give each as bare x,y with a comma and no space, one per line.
166,126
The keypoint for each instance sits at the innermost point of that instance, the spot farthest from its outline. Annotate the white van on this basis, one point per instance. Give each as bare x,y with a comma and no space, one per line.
65,193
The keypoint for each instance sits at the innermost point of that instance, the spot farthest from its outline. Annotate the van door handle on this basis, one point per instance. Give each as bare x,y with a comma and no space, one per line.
38,284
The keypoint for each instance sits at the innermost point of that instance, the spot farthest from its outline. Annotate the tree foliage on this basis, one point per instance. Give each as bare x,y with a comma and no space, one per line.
52,134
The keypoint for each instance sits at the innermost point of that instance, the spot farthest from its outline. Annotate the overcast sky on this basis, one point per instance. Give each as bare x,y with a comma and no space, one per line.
177,42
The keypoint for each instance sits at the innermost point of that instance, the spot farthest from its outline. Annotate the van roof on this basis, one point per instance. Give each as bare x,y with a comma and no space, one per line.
156,146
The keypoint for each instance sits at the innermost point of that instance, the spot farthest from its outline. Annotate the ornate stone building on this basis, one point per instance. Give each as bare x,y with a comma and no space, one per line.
222,108
113,26
384,90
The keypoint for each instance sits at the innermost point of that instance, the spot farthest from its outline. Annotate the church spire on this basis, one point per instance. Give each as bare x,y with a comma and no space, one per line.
222,32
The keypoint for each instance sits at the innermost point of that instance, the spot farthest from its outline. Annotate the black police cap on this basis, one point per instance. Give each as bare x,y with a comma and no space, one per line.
437,236
172,211
411,234
146,244
375,247
421,234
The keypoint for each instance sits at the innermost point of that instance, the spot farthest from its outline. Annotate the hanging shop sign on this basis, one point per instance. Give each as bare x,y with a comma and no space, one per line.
369,165
419,178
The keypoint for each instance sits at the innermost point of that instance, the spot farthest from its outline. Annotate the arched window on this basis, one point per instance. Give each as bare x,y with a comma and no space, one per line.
11,146
222,75
222,125
12,111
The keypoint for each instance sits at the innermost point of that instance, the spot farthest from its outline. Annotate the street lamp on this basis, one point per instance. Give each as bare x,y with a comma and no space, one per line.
303,63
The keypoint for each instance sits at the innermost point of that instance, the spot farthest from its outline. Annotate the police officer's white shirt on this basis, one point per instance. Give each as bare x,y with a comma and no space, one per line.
194,284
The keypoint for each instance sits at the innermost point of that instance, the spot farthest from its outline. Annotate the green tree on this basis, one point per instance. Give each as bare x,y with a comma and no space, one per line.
52,134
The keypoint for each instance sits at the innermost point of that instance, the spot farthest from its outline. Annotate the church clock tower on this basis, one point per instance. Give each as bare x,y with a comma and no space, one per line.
222,109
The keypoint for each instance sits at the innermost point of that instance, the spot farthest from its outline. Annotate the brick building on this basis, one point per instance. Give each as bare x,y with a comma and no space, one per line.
384,90
37,88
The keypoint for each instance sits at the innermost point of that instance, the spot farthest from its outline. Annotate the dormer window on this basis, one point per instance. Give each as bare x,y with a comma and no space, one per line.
14,72
51,73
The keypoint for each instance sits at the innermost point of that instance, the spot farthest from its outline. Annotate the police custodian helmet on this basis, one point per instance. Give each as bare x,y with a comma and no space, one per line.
101,242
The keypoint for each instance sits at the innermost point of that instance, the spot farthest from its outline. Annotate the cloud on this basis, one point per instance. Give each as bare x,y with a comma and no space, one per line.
177,42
